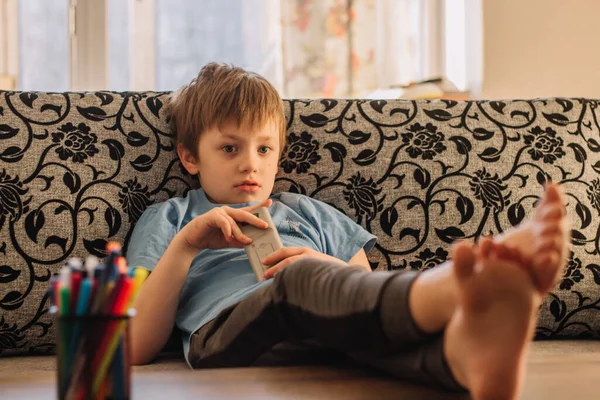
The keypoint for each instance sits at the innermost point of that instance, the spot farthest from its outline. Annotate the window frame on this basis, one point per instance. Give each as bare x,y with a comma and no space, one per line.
142,61
9,44
88,45
432,35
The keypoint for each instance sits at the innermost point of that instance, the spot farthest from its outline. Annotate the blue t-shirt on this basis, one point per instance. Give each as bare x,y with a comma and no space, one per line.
220,278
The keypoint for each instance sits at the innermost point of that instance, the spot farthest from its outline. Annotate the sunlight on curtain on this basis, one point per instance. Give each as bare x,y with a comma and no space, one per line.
348,48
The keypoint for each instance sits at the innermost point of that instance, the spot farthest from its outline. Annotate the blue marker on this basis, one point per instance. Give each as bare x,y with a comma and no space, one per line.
110,270
84,296
82,306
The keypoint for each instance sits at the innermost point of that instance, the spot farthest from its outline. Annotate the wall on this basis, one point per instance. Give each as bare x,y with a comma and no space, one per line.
541,48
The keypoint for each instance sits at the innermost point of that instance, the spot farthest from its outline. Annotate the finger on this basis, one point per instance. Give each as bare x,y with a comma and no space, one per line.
225,225
281,254
237,232
265,203
271,272
241,215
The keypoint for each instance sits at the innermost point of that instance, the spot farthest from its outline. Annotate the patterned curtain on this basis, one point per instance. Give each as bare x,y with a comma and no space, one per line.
347,48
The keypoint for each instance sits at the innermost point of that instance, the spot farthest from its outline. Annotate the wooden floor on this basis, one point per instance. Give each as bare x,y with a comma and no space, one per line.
555,371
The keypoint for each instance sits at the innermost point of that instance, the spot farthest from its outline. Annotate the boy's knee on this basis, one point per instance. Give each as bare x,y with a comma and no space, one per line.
310,267
308,273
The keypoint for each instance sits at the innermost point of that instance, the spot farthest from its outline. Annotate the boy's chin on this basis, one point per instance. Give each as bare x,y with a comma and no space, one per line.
237,197
248,198
245,198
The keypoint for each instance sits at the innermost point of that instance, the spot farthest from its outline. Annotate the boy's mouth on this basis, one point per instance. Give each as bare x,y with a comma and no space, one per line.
248,186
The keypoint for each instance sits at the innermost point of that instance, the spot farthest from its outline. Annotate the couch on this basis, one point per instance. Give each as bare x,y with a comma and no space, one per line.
78,169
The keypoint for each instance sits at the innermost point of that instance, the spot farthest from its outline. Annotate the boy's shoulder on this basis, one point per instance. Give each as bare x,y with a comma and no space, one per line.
170,209
288,197
305,204
293,200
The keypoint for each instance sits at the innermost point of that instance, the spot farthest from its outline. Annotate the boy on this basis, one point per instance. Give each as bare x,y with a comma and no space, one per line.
464,325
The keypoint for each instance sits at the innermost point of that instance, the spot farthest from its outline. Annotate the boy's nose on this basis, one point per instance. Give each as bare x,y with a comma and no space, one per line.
249,163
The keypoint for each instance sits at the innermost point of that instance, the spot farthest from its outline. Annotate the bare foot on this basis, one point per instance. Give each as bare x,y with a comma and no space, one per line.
487,337
542,241
544,238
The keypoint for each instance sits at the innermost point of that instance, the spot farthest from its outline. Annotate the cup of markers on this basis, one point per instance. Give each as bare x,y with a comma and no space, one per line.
93,302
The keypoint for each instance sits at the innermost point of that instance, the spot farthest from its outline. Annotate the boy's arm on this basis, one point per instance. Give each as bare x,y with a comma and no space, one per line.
156,303
361,259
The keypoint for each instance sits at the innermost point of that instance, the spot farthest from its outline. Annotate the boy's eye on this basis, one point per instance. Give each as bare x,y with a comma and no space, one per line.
264,149
228,148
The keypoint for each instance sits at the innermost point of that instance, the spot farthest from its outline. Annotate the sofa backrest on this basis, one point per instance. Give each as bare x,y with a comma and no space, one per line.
78,169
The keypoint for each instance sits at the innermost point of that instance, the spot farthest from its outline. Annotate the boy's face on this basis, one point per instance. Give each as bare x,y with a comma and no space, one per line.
235,165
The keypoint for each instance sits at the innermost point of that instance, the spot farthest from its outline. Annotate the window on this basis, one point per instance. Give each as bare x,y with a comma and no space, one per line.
118,45
43,45
162,44
338,48
8,40
190,34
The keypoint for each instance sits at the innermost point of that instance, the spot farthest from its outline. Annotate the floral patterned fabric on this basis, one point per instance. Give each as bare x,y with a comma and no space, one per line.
78,169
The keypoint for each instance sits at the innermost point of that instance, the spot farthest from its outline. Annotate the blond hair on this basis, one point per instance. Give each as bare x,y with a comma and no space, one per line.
223,93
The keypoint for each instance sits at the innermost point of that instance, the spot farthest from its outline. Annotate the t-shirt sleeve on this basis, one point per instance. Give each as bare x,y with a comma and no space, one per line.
151,236
340,236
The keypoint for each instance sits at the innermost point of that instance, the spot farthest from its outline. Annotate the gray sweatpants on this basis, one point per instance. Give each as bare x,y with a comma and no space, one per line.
316,311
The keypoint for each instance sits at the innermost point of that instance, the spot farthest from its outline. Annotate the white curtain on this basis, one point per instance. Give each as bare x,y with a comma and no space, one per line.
349,48
306,48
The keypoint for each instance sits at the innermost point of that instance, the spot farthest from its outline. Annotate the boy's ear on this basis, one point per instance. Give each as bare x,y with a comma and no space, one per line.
187,159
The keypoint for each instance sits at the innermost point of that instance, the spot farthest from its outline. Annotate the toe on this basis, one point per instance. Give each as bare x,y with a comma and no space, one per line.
516,256
552,212
485,246
463,258
499,250
552,229
546,271
552,243
552,196
553,193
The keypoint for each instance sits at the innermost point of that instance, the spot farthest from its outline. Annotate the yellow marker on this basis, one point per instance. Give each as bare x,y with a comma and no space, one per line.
139,276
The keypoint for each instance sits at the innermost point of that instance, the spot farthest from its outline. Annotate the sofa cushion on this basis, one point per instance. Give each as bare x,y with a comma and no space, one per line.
78,169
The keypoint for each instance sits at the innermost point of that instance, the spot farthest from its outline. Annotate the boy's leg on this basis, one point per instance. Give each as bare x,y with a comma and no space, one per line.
337,305
300,352
364,315
423,363
427,362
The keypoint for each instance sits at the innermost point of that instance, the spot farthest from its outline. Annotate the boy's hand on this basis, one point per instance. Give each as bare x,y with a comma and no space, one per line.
283,257
218,228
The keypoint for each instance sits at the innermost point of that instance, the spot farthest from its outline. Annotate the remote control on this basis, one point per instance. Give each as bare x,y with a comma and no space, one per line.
264,242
